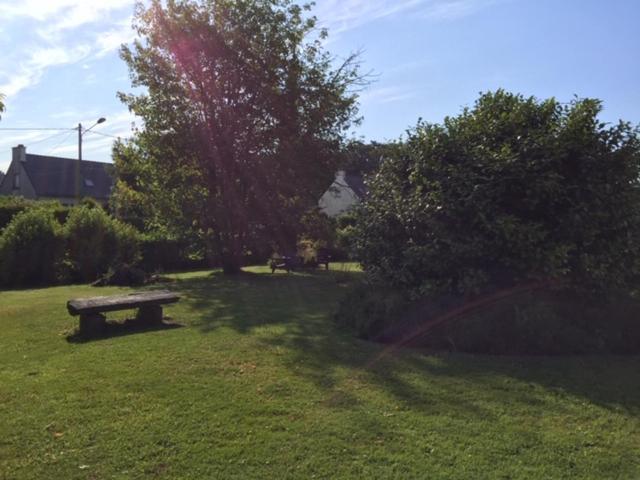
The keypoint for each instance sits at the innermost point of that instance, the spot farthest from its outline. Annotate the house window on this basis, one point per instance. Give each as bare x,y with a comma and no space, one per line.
16,181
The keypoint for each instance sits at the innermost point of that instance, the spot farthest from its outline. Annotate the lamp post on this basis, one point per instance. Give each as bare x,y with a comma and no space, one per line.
80,133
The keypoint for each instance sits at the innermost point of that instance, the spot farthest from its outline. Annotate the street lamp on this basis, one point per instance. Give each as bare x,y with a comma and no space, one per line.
80,133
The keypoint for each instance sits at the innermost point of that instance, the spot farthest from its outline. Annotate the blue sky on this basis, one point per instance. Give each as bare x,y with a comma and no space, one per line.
59,63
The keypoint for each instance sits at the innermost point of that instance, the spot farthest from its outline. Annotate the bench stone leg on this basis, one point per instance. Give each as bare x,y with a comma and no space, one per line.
150,315
92,324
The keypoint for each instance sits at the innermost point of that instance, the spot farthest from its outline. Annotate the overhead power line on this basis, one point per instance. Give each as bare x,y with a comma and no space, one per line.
48,138
36,129
103,134
58,144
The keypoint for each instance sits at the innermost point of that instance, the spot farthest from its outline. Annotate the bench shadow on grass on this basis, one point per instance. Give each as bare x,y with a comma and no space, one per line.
121,329
301,306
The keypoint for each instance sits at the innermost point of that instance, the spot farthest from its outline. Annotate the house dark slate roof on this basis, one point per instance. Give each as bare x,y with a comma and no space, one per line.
56,177
356,182
1,176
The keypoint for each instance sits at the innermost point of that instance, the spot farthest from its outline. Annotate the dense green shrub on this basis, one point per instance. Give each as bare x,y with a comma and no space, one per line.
127,242
162,254
96,241
371,311
318,227
320,233
122,275
346,234
510,190
30,248
546,321
10,206
90,203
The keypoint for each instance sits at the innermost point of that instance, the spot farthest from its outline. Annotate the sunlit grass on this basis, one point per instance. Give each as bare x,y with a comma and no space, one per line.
259,383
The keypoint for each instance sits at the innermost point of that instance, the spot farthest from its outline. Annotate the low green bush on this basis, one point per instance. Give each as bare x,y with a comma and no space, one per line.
162,254
96,242
10,206
127,241
321,233
31,248
346,235
546,322
122,275
542,322
372,311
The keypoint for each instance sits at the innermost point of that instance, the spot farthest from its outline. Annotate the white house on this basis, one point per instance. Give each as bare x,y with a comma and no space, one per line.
346,191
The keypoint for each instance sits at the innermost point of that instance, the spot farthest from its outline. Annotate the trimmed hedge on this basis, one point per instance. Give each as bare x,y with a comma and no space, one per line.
10,206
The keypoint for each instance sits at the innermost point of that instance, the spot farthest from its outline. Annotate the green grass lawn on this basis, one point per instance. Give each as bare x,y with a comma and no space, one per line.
259,383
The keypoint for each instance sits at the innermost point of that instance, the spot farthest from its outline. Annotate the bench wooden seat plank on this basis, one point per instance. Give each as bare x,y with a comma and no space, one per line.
149,305
120,302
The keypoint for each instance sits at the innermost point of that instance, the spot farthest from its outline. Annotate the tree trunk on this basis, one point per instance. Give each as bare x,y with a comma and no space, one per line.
231,255
231,264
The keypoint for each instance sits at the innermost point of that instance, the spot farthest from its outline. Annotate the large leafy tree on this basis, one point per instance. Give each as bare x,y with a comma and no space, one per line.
244,112
510,190
1,110
365,158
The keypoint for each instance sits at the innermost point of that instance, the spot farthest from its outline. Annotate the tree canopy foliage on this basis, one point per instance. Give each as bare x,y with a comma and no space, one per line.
365,158
510,190
244,113
2,107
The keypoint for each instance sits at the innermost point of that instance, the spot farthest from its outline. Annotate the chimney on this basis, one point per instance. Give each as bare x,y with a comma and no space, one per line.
19,153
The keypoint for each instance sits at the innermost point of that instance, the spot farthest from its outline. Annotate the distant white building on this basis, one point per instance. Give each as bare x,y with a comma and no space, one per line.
346,191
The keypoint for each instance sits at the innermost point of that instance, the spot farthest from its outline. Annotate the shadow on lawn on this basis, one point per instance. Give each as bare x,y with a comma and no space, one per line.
121,329
301,305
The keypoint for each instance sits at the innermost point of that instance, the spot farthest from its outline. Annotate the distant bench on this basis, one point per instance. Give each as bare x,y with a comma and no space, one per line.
91,310
285,262
323,258
292,262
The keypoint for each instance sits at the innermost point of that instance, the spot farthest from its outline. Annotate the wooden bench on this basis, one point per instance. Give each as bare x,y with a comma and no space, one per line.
323,258
292,262
91,310
286,262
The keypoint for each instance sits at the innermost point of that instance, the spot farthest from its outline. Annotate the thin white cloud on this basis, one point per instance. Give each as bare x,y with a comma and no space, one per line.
29,72
65,13
112,39
385,95
452,9
343,15
72,114
63,32
91,145
119,124
36,9
405,67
